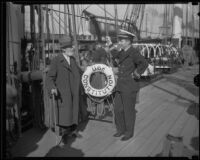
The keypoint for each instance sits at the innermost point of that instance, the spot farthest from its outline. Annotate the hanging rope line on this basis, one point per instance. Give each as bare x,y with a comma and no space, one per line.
125,15
105,11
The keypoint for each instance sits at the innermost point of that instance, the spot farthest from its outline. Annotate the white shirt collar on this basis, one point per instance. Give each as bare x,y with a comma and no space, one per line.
67,58
127,48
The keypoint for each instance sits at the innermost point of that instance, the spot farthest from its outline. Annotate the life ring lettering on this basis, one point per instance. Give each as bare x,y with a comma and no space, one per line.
107,71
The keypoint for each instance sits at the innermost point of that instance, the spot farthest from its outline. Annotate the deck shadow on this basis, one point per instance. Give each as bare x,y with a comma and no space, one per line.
65,151
28,143
172,93
195,143
184,84
193,109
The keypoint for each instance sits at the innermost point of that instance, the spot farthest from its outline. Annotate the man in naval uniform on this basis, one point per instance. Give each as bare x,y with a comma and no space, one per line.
131,64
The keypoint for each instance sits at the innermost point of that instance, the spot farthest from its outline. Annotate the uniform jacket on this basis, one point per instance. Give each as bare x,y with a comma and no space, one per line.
66,79
100,56
128,62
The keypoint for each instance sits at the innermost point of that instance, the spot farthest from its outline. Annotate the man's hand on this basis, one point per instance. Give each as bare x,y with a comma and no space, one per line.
115,70
108,41
54,91
135,75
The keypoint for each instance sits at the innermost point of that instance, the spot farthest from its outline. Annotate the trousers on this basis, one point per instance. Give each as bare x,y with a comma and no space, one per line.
125,113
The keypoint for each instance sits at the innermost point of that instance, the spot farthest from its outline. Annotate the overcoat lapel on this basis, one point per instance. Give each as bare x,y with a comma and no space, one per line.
64,62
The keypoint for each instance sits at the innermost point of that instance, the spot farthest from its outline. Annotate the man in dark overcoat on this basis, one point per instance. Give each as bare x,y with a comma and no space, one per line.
63,80
131,64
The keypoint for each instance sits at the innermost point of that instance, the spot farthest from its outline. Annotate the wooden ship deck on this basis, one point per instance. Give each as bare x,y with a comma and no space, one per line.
169,105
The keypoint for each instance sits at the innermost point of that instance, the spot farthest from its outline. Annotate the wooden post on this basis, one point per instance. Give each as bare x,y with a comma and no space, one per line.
31,87
43,68
74,35
32,25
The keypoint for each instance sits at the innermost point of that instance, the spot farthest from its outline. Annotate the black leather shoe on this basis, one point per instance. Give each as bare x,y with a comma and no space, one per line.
118,134
125,138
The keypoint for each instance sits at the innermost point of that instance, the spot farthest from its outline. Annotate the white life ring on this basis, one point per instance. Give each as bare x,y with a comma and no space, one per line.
107,90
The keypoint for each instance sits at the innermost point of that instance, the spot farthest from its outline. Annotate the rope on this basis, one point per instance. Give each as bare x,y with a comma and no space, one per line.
105,11
100,109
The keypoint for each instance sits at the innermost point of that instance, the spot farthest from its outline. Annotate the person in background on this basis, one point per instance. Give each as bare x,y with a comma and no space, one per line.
63,80
131,64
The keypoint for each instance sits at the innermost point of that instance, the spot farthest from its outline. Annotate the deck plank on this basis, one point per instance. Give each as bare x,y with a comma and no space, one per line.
153,140
153,128
189,130
140,128
162,109
175,131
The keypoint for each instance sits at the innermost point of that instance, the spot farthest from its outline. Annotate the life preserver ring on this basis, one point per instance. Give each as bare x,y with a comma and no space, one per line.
107,71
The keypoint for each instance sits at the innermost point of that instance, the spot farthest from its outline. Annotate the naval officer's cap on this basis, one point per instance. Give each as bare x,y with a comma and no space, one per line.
126,35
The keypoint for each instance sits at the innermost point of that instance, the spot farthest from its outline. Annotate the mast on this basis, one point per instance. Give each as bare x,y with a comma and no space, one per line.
186,38
165,24
32,25
74,34
106,27
172,21
116,22
52,24
69,22
65,19
146,24
193,28
142,16
47,26
59,21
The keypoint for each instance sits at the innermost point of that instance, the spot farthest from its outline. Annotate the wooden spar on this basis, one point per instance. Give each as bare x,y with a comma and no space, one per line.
142,16
165,27
172,16
59,20
74,34
69,22
106,26
186,28
44,65
7,39
32,25
31,89
52,24
47,26
116,22
100,17
193,39
146,23
65,20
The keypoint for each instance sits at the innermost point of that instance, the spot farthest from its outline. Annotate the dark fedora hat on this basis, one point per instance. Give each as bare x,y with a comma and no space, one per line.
66,42
122,34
